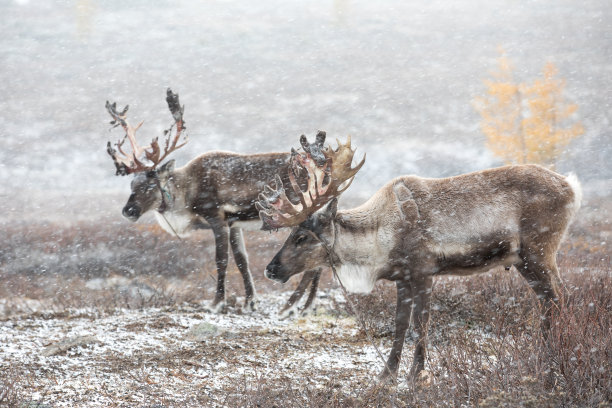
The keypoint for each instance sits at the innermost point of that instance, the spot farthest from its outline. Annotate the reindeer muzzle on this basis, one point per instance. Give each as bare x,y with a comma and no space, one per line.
131,212
272,273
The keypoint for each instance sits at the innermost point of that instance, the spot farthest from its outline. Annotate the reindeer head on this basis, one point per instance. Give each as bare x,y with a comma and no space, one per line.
148,185
148,192
313,217
304,248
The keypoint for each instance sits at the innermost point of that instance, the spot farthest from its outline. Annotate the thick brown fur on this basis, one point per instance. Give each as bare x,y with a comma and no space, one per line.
416,228
217,191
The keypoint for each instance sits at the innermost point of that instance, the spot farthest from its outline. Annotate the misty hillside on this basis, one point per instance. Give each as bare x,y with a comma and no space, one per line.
400,77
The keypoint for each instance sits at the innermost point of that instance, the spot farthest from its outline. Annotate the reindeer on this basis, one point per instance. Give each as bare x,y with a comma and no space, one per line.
216,190
414,229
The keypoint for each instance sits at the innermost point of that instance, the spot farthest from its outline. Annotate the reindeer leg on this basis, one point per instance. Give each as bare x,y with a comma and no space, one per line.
220,229
421,295
402,321
313,290
242,261
288,309
542,276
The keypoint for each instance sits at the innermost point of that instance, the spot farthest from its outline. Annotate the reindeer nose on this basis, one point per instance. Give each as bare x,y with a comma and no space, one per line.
131,212
272,272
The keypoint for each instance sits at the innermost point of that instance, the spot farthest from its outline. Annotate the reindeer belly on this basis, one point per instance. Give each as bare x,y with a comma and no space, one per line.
465,242
246,217
252,225
479,256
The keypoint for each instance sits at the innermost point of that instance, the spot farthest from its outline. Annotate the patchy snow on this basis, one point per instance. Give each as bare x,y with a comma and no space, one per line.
156,347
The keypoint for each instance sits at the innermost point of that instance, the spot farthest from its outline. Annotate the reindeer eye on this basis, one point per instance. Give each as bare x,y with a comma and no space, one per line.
300,239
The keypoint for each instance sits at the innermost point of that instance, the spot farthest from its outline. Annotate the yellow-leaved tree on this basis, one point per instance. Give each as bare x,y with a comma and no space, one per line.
527,123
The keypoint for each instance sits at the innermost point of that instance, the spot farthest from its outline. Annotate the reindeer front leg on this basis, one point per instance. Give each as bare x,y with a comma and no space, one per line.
309,277
221,231
402,321
313,289
242,261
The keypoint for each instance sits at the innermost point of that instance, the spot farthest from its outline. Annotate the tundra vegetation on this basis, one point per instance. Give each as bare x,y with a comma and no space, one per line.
90,280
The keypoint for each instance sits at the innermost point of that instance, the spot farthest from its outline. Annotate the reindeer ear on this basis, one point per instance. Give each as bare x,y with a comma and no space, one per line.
167,167
330,210
323,218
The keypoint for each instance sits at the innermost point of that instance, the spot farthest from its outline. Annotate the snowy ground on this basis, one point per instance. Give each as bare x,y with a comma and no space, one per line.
87,320
92,358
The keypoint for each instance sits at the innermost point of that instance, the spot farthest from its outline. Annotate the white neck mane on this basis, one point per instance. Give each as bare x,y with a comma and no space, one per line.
357,278
177,219
362,244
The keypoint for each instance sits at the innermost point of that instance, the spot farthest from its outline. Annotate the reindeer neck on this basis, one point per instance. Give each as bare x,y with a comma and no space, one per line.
359,237
174,215
175,188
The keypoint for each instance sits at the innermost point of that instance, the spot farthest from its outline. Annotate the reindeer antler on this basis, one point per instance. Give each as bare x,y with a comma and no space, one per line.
127,163
328,176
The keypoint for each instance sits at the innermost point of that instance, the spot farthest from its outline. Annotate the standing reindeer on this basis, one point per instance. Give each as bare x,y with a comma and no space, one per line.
216,190
415,228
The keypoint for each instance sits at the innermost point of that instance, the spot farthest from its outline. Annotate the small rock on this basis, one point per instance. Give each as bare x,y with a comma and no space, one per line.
202,332
66,344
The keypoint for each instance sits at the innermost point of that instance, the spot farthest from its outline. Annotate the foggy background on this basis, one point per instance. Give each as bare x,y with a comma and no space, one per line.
399,76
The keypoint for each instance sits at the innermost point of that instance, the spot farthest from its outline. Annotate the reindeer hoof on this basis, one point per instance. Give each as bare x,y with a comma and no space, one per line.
307,311
423,379
250,305
218,308
293,311
287,312
387,377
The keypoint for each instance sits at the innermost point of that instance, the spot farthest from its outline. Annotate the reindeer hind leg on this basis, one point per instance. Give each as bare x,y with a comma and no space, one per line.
539,268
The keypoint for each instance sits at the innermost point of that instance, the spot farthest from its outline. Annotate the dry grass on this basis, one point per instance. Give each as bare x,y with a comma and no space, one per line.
485,342
488,352
62,266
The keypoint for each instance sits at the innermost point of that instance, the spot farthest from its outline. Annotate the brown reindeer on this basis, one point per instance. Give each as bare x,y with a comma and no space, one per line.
414,229
216,190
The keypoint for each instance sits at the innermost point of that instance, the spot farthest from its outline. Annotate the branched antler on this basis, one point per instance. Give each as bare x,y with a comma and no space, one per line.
329,174
127,163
